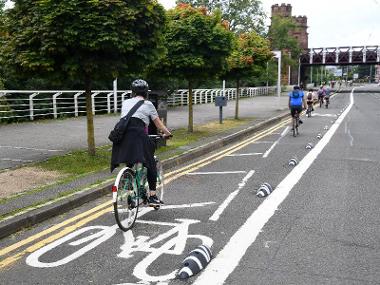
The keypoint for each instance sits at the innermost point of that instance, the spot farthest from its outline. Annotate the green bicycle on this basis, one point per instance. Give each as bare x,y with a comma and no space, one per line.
130,191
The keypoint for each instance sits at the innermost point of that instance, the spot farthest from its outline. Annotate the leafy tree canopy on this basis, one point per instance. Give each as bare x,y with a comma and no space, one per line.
250,54
84,38
279,35
242,15
197,43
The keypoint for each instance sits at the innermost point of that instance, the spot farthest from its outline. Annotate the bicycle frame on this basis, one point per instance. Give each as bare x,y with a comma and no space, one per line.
138,178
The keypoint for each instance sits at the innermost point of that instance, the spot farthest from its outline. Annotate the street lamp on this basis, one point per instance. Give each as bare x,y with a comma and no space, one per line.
277,54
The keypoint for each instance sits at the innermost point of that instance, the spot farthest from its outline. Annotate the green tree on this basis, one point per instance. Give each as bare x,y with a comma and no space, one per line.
243,15
280,38
2,38
84,40
198,45
248,58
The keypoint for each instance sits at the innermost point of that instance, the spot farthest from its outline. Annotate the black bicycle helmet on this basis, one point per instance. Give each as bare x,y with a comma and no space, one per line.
296,87
140,87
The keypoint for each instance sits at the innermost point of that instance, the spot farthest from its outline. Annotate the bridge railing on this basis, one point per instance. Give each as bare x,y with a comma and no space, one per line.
21,105
342,55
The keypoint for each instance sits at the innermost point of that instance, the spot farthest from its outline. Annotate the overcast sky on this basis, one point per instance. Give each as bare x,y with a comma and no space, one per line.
332,23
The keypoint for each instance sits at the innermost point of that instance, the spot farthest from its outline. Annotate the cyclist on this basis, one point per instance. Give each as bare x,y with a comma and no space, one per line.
321,94
327,95
309,99
136,146
296,101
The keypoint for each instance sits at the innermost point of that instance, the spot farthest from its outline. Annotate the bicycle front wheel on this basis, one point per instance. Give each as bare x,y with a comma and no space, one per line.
126,202
160,181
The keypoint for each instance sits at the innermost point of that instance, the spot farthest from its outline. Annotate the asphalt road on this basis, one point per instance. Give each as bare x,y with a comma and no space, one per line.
319,226
34,141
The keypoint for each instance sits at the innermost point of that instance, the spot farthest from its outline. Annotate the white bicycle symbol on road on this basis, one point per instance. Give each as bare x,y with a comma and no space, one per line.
176,237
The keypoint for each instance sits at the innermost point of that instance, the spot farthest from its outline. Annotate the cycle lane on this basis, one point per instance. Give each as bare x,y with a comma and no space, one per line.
186,189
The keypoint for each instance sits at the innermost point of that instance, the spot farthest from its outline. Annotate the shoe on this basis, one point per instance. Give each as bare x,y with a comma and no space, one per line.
301,122
131,203
153,200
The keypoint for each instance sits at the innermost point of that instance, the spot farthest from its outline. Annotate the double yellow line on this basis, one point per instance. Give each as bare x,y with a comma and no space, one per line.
104,208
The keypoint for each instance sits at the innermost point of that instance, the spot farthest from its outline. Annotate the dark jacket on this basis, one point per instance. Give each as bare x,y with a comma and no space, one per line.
134,147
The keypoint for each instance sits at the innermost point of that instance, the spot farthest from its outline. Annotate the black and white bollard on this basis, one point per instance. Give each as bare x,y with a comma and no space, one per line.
195,262
293,162
264,190
319,136
309,146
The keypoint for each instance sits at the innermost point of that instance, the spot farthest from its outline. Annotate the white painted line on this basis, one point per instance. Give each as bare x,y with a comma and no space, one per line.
229,257
324,115
15,160
259,142
216,172
230,197
276,142
31,148
245,154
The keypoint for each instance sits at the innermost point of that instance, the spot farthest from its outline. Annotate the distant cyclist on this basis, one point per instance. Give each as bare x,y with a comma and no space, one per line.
321,94
309,99
296,101
327,96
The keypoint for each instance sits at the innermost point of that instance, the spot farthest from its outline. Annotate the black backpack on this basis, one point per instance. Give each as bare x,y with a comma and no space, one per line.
117,134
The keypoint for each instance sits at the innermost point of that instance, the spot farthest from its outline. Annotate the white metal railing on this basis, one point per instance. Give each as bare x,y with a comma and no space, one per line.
28,105
21,104
201,96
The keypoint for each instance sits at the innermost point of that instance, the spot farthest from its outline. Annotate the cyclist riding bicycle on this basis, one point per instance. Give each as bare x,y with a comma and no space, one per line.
136,147
309,99
327,92
296,101
321,93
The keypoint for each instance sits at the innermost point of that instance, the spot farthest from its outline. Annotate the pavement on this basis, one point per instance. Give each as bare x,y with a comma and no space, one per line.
41,205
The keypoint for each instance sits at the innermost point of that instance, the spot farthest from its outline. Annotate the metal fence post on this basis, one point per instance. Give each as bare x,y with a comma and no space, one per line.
55,104
93,102
76,103
31,107
109,102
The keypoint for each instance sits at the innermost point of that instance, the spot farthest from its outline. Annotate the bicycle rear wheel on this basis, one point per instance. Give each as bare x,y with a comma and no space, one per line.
126,202
160,181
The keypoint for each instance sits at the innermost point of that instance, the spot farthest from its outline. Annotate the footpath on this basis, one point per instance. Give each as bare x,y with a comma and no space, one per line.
25,209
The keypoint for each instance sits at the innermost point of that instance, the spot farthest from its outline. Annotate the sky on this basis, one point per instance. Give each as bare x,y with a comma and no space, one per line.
332,23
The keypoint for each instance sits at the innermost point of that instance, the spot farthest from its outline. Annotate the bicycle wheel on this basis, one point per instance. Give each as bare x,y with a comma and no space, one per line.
294,126
160,182
126,200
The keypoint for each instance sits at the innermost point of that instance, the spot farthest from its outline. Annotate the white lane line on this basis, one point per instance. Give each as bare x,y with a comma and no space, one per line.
276,142
15,160
31,148
229,257
324,115
245,154
230,197
216,172
259,142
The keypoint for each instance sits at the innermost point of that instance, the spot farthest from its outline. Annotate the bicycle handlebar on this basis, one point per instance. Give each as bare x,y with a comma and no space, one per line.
160,136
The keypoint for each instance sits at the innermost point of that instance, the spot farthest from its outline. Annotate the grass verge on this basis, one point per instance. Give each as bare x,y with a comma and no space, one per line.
79,164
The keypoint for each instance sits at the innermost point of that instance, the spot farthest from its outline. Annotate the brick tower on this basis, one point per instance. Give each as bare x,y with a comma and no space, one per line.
290,76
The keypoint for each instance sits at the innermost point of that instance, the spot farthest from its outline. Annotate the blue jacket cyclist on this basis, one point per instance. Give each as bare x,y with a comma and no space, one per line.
296,101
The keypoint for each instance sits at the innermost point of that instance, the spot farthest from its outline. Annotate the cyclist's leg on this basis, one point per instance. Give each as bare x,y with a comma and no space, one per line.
151,172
